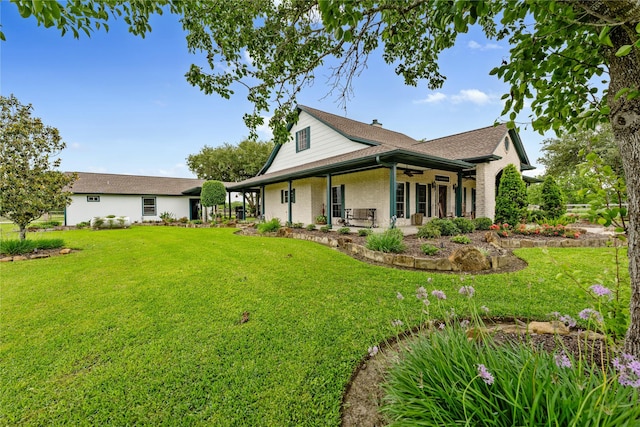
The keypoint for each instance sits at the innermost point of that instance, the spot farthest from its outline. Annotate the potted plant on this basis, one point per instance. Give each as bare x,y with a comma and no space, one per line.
321,219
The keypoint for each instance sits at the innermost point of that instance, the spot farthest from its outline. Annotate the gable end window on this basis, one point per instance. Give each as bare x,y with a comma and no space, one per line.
149,207
93,198
303,139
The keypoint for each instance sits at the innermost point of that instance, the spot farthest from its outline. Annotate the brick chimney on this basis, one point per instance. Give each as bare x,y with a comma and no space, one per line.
376,123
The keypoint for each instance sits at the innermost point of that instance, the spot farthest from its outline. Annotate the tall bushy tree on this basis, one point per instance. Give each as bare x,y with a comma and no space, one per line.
232,163
553,204
559,48
511,201
29,184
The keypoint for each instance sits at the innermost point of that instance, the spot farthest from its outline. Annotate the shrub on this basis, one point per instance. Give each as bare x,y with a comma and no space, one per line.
388,241
448,379
465,225
83,224
297,225
325,228
482,223
511,201
270,226
429,231
311,227
321,219
344,230
18,247
183,220
364,232
460,239
429,249
196,221
446,226
167,217
553,204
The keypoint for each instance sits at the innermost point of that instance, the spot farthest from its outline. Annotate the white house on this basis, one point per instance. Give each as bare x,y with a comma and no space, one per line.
141,198
363,174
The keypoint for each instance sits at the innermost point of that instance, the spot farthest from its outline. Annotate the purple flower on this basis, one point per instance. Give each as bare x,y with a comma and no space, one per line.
439,294
562,360
629,370
396,322
484,308
373,350
464,323
467,290
485,374
600,290
421,293
426,301
568,320
441,326
590,314
399,296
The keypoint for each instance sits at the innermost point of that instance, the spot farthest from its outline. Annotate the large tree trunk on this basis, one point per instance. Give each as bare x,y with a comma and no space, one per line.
625,122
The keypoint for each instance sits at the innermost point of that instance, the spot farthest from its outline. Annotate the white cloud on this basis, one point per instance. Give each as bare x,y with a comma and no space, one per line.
264,130
247,57
474,96
432,98
487,46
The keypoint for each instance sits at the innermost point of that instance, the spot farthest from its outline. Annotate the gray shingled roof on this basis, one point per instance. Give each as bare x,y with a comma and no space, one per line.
466,145
104,183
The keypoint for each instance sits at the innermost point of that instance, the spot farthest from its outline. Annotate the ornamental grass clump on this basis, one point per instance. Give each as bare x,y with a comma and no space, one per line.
389,241
19,247
457,374
270,226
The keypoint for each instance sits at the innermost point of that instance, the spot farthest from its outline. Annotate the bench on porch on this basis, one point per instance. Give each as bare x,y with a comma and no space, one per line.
360,214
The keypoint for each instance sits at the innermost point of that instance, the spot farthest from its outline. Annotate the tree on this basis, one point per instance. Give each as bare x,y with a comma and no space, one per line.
511,201
558,50
29,185
562,157
553,204
231,163
213,194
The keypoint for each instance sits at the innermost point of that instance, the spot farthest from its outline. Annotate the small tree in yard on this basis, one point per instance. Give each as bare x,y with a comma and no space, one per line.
511,201
29,185
553,204
213,194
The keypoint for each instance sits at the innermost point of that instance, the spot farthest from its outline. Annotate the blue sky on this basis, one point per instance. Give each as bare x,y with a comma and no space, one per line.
123,105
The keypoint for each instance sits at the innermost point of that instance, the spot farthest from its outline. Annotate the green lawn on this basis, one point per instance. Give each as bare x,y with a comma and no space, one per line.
141,326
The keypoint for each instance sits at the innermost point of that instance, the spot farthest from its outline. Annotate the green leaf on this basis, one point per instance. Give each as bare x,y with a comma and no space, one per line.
604,37
624,50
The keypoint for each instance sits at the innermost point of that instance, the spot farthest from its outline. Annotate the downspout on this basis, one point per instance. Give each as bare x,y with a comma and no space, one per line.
244,206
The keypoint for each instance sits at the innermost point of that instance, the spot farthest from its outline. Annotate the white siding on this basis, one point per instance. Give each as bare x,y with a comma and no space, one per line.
131,206
325,143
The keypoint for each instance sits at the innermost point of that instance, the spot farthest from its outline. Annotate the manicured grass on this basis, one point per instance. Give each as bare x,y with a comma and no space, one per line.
142,325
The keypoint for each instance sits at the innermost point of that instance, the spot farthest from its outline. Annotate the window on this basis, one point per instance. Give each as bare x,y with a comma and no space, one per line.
93,198
421,199
506,143
400,201
284,196
303,139
337,202
149,206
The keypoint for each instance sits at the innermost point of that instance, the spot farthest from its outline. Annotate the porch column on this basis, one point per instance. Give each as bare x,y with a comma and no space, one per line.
244,206
262,200
328,212
392,190
229,194
459,195
289,204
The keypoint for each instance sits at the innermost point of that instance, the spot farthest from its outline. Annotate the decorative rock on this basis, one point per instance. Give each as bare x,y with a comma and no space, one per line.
38,256
404,261
285,232
469,258
443,264
425,264
342,241
19,258
65,251
6,259
513,329
590,335
552,328
492,237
